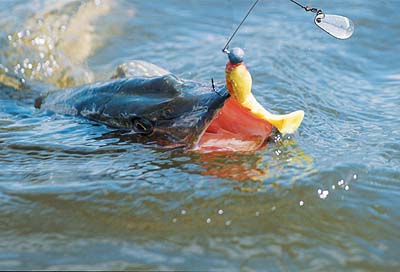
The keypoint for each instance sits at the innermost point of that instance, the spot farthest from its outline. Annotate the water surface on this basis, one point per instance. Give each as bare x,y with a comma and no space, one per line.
77,195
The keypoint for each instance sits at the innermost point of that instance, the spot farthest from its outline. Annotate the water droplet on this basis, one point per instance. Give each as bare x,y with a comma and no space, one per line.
319,191
228,223
20,35
333,187
50,71
9,37
277,138
257,213
301,203
183,212
208,220
324,194
40,41
39,21
355,176
273,208
220,212
174,220
340,182
346,187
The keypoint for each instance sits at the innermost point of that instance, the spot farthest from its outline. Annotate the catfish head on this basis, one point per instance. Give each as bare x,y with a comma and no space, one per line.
164,110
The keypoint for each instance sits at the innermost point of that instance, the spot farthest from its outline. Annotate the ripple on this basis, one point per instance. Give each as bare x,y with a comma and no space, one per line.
77,195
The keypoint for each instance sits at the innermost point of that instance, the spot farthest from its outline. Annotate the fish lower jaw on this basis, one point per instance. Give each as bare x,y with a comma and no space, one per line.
233,129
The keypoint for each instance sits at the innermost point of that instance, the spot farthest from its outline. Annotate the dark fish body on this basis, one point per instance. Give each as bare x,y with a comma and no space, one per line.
163,109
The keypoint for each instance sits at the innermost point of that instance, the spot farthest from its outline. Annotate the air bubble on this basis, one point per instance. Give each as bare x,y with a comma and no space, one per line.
208,220
301,203
183,212
220,212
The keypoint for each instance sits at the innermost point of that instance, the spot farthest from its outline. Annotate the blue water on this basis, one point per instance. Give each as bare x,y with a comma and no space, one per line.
77,195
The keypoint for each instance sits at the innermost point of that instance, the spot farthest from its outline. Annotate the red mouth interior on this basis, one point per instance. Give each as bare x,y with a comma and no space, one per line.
234,128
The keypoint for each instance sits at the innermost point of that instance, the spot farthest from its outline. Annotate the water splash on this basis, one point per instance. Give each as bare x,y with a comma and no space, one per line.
55,44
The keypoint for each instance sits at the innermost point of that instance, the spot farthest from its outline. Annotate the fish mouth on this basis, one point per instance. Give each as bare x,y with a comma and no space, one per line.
185,128
205,115
233,128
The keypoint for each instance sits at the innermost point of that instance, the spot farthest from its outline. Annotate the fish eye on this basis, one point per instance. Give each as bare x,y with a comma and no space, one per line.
142,126
166,113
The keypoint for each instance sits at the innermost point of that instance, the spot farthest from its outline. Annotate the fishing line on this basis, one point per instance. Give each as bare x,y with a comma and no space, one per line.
300,5
306,8
225,50
337,26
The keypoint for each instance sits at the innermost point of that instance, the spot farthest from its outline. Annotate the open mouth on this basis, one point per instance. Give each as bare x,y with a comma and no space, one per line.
234,128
